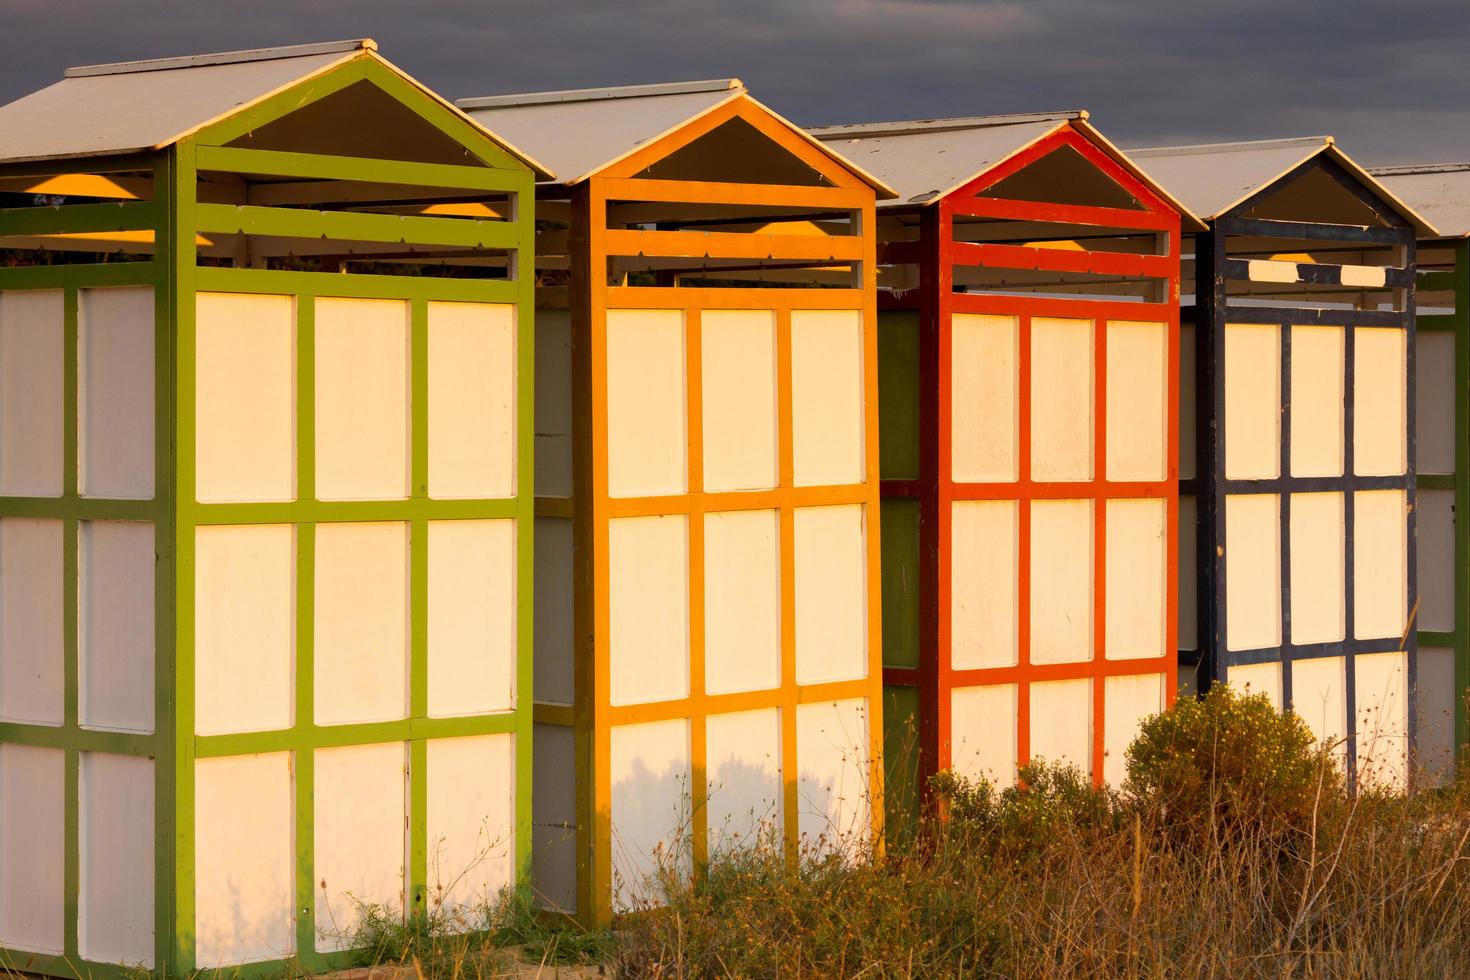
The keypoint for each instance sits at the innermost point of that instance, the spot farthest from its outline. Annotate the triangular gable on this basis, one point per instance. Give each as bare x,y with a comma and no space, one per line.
1329,188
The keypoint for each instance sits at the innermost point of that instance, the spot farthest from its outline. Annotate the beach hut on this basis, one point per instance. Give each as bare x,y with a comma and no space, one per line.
1027,349
1299,360
265,510
707,485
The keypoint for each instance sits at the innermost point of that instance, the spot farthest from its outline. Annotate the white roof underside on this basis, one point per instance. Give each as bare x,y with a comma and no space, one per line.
1440,192
1212,178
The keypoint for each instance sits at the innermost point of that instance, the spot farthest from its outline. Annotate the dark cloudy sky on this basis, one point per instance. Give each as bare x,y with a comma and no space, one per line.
1388,78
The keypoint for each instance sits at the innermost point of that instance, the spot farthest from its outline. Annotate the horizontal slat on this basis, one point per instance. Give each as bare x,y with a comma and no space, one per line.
1062,260
1436,281
721,298
1314,273
316,166
1023,304
132,216
707,192
1308,231
731,245
209,278
1067,214
1308,316
347,226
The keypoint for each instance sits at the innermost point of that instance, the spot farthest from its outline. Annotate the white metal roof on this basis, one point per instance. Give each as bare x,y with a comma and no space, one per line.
1439,191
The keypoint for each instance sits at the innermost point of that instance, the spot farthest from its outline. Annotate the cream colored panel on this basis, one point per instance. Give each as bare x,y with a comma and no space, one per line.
31,393
742,601
115,849
743,766
472,400
1436,559
1188,568
244,628
1380,564
553,403
1252,401
31,621
647,434
650,808
115,632
827,396
831,594
648,561
470,825
1062,402
1188,420
1252,571
1061,723
244,863
554,817
983,727
32,848
738,357
984,583
1137,572
245,397
115,392
472,617
1127,701
1434,398
832,784
1316,401
1061,581
1434,702
361,623
1138,401
359,836
361,399
1382,685
1317,597
1258,679
984,385
1380,399
1319,696
554,628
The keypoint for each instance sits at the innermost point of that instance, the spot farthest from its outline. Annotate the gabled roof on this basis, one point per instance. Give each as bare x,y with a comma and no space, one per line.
927,159
1214,178
580,132
1439,191
142,106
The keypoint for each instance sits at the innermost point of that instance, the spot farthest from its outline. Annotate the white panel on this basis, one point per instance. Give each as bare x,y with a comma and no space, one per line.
1258,679
1061,581
472,617
1319,696
245,397
472,400
1252,401
984,387
1269,270
553,403
471,824
1382,686
115,630
742,601
31,621
1436,559
1061,723
831,594
1316,401
358,836
1188,569
1127,701
648,591
1062,402
1380,564
1434,702
647,434
832,782
827,396
1380,400
1317,597
738,367
244,865
984,583
32,848
983,731
31,393
650,808
244,628
115,879
115,392
1137,573
1369,276
361,399
554,817
1187,394
1138,400
361,623
1252,571
743,767
1434,398
554,628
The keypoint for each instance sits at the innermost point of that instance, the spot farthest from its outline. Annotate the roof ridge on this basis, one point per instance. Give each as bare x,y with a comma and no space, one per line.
600,94
1419,168
223,58
1228,147
942,124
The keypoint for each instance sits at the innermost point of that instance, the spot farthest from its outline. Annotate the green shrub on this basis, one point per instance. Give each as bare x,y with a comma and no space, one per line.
1020,821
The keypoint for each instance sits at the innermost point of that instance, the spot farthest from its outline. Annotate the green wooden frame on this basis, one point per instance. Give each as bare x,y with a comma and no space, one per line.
175,217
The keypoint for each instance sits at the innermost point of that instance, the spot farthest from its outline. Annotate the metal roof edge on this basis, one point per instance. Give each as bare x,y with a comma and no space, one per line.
222,58
939,125
1404,170
599,94
1238,146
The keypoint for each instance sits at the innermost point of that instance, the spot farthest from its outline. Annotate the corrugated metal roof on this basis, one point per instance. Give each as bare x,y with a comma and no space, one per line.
1439,191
